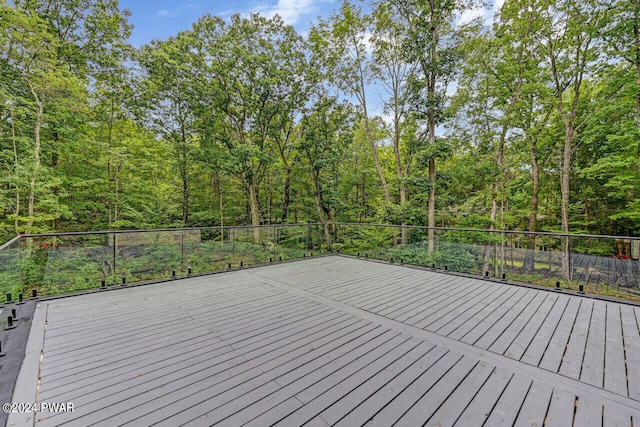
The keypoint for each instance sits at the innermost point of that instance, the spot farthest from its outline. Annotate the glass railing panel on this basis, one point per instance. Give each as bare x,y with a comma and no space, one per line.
207,250
10,281
535,259
606,266
149,255
65,263
292,242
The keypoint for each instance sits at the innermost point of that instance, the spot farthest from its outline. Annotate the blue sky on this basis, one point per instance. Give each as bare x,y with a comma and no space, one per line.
161,19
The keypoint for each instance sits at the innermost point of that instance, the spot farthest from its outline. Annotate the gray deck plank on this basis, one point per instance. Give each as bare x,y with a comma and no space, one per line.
236,414
466,308
588,413
517,325
593,364
254,383
100,354
559,321
405,400
473,321
556,347
478,410
505,411
421,317
378,297
631,337
571,362
466,298
504,325
615,418
111,373
412,305
256,410
370,407
289,344
535,406
458,401
615,373
435,397
493,319
214,370
352,396
449,324
561,409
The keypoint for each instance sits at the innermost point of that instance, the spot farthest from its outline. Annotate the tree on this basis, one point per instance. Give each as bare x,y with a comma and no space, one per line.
568,45
432,41
340,44
326,134
252,75
171,96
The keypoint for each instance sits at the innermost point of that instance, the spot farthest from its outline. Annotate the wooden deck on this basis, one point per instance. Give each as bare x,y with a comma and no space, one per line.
333,341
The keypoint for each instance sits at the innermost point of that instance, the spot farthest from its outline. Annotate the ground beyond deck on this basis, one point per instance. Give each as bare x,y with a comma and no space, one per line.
334,341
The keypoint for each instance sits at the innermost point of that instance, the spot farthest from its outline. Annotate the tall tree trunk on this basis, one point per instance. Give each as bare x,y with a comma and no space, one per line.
321,217
636,38
529,259
15,159
367,127
287,195
400,172
117,179
497,184
431,206
431,88
219,181
36,163
376,160
566,167
184,176
255,209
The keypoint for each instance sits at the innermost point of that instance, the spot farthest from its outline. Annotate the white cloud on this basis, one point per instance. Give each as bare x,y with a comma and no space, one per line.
163,13
471,14
289,10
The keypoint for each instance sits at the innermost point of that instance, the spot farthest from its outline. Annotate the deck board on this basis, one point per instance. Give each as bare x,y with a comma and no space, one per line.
338,341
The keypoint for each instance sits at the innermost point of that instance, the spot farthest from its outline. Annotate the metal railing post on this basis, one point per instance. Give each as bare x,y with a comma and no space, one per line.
115,245
182,251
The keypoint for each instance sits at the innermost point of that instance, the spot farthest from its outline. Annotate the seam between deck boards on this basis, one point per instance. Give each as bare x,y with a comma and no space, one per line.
557,381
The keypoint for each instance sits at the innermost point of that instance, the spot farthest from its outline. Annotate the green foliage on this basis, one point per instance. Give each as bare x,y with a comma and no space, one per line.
246,121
